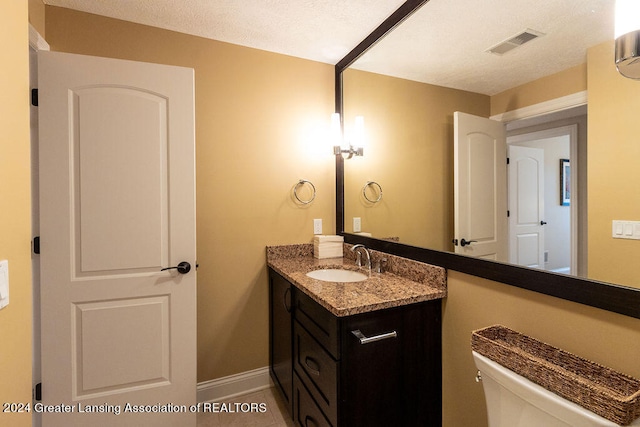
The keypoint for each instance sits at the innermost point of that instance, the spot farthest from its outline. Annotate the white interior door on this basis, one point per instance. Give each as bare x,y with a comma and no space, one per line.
117,204
526,206
480,183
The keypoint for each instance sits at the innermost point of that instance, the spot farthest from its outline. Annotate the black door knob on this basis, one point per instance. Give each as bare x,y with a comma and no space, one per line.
183,268
464,243
543,222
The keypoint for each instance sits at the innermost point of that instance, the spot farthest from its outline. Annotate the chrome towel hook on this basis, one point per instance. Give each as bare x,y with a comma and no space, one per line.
300,184
371,184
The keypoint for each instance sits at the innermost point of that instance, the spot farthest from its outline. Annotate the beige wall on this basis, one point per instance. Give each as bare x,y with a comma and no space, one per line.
256,112
15,213
409,152
564,83
614,150
36,15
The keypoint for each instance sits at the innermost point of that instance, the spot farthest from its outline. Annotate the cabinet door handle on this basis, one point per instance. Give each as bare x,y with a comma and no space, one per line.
312,365
287,301
366,340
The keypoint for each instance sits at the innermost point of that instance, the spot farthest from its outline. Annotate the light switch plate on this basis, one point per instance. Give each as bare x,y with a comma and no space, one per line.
4,283
625,229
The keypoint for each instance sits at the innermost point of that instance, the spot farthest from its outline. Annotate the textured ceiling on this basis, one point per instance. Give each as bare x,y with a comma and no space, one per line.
320,30
443,43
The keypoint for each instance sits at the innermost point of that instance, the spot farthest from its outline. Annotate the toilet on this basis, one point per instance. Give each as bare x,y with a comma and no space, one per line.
514,401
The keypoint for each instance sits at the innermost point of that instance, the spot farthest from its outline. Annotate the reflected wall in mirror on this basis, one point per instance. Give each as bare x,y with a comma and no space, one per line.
409,153
410,120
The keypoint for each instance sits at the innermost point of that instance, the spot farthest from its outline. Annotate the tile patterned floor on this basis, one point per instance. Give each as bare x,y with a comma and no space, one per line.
275,415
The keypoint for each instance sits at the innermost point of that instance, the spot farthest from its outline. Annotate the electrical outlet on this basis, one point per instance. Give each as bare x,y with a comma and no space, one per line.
317,226
357,225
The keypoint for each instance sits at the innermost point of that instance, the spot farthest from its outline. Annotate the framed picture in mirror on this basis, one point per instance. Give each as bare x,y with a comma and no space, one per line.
565,182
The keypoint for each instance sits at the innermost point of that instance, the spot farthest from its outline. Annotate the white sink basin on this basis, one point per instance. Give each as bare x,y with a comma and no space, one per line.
337,275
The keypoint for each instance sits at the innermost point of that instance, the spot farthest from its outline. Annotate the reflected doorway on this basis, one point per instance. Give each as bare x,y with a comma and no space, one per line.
539,219
554,209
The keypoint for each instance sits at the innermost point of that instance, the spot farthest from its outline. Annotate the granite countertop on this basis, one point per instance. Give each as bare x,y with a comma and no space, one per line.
403,282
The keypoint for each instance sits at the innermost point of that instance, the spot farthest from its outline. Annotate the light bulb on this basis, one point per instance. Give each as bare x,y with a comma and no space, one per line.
358,132
627,17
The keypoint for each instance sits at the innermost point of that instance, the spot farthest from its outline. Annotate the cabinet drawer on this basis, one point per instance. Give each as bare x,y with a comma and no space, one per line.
305,411
318,370
318,321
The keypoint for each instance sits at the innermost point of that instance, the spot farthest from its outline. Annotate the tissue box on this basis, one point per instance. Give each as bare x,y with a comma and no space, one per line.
327,246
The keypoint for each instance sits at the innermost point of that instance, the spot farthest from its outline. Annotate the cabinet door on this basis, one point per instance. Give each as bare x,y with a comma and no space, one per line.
280,350
422,364
371,373
396,380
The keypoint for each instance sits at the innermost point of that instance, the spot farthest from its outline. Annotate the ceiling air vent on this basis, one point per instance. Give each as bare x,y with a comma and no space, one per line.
515,41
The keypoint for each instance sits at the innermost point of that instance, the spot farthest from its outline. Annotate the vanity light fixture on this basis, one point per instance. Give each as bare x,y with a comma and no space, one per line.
627,34
341,145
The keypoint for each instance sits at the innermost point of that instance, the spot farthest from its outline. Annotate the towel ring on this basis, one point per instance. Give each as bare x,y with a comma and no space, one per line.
364,191
301,183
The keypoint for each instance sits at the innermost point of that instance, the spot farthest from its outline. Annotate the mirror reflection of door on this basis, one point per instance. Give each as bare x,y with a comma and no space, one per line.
526,206
480,197
552,246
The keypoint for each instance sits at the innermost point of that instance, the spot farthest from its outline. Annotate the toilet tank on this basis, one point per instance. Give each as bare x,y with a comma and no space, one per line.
514,401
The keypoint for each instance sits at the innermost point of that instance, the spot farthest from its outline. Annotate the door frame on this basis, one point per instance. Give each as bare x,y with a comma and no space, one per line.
513,118
36,43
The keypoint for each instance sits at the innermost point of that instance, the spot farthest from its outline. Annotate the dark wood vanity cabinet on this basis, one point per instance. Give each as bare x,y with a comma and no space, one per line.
339,381
280,321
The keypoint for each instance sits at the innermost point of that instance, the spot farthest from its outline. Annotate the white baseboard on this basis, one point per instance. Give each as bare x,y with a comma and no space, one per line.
233,385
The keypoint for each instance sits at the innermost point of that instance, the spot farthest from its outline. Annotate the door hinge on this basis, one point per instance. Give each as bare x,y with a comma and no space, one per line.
508,214
37,392
507,160
36,245
34,97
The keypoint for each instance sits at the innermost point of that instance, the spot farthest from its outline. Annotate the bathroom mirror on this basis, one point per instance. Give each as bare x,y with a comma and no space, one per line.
417,159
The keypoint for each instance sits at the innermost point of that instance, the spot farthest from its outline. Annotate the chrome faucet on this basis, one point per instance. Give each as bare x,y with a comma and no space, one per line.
355,248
